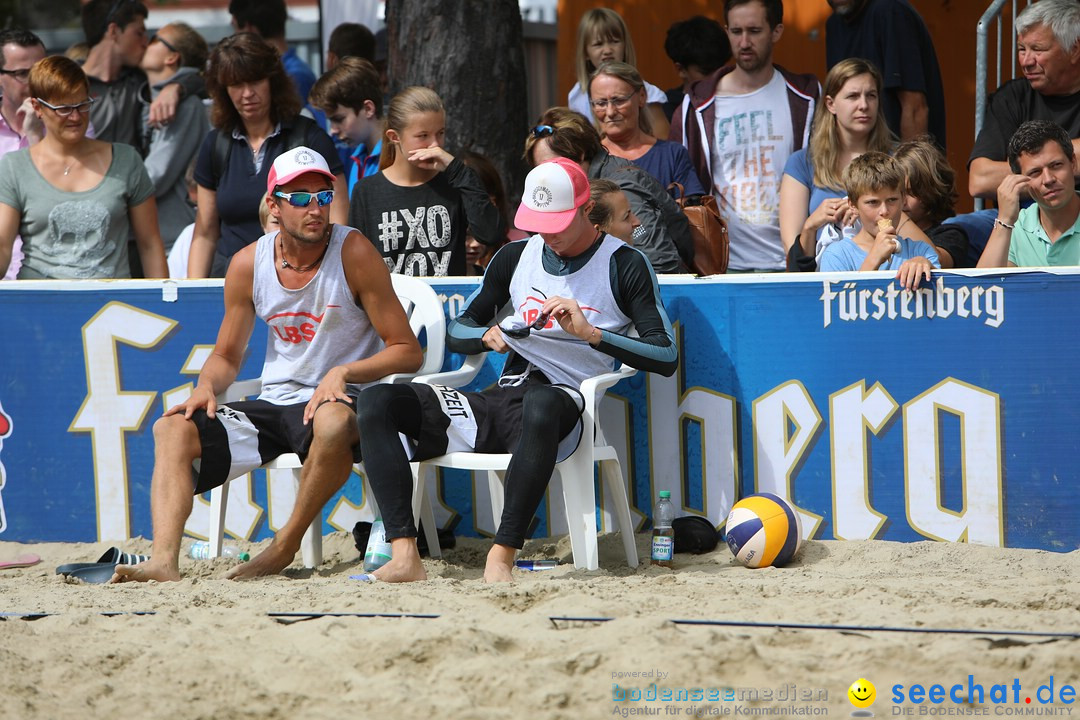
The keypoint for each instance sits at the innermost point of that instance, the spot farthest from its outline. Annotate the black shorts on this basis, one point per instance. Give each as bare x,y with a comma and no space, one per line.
247,434
484,422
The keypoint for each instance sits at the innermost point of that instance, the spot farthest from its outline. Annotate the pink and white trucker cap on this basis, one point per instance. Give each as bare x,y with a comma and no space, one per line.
554,190
291,164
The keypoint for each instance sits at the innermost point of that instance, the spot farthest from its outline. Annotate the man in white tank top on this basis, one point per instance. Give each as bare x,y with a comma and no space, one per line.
335,326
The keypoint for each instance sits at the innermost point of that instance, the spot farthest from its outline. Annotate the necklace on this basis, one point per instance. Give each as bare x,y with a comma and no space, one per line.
68,168
296,268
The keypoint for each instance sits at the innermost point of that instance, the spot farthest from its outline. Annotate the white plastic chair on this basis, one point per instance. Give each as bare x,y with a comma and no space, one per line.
425,312
575,472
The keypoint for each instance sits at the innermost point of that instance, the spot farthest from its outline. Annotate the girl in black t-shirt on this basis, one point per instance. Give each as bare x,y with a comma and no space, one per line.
418,208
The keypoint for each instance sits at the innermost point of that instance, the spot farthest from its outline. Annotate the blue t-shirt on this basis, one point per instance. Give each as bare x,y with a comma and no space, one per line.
669,162
363,164
845,255
800,168
303,78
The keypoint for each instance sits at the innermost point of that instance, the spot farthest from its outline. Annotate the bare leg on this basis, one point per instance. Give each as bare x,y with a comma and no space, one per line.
405,565
176,444
325,470
500,562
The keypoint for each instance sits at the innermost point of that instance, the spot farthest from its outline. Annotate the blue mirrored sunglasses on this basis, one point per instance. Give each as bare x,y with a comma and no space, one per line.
303,199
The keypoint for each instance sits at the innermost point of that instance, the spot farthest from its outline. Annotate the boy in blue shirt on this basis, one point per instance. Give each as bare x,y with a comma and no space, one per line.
875,183
351,97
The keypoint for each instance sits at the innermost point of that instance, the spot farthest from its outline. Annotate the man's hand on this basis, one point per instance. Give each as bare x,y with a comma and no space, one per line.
331,389
1008,195
493,340
567,313
432,157
163,109
32,126
201,397
912,271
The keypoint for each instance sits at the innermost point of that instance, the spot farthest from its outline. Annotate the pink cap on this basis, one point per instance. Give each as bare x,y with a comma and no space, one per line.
291,164
554,190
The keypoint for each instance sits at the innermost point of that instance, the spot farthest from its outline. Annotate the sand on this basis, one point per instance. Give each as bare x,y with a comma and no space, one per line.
210,650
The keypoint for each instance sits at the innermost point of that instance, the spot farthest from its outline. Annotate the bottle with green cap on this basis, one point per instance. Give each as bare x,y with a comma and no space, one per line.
663,536
200,550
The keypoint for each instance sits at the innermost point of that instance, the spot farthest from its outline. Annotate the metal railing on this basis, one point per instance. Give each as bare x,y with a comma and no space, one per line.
993,17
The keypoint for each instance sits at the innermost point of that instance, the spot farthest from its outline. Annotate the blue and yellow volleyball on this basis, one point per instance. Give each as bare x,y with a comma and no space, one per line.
763,530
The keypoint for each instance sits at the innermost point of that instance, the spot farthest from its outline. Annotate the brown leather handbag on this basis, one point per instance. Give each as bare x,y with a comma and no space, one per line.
708,231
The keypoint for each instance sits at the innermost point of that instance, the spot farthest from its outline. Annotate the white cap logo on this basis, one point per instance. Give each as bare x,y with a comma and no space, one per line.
541,196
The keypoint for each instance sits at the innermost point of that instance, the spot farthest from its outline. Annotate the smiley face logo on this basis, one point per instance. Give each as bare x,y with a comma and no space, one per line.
862,693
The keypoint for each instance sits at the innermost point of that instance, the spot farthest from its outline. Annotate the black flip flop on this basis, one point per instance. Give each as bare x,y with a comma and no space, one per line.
102,570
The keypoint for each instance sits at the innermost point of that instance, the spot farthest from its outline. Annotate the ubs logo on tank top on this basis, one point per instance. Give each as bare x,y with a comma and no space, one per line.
296,327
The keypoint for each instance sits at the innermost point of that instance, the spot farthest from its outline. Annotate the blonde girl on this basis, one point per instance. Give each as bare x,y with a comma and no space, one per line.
603,37
420,206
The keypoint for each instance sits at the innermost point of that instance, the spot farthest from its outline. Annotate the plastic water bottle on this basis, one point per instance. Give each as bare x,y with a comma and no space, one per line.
663,537
377,553
200,550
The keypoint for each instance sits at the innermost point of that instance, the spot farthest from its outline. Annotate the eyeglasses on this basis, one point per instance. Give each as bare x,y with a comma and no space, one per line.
66,110
20,75
303,199
542,131
617,102
523,331
157,38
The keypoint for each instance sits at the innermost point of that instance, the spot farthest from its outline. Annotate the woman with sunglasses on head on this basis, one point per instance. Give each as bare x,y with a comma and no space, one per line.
664,233
75,200
617,96
256,117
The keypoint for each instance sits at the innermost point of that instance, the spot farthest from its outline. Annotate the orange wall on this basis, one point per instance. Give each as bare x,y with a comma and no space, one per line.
952,24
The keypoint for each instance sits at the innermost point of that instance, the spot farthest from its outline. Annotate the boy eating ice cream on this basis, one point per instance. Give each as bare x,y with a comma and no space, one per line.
875,186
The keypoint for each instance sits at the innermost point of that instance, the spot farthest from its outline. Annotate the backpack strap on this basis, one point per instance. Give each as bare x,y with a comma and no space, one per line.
219,156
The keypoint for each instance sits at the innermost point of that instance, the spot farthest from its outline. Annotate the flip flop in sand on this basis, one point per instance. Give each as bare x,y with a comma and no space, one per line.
20,562
102,570
364,577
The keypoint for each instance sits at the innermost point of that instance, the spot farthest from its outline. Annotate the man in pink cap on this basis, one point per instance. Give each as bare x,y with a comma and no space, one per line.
575,297
327,340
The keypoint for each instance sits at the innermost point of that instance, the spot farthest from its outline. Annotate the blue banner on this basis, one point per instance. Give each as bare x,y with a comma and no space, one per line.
940,414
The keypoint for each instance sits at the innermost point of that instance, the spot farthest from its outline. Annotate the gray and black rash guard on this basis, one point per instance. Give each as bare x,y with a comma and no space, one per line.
633,285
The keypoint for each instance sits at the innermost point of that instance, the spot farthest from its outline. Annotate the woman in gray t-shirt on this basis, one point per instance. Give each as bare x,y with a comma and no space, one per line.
75,200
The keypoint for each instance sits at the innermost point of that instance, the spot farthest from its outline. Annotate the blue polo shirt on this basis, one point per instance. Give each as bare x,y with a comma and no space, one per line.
1030,246
363,164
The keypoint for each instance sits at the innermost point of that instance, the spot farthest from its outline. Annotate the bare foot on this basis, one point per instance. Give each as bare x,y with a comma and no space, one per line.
500,563
162,571
270,561
404,565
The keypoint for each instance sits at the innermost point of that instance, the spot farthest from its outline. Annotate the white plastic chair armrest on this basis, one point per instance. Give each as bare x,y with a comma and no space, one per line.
241,389
597,383
456,378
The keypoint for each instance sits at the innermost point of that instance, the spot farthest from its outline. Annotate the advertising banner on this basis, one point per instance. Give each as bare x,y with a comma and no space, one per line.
947,413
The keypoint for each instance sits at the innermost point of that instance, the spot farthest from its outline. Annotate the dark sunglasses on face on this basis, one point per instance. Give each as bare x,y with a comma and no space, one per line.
303,199
157,38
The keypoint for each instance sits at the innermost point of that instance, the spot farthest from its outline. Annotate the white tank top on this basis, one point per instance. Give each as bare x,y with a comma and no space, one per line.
311,329
563,358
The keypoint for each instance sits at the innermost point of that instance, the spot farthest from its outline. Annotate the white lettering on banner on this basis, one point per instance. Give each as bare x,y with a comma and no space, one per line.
108,411
981,519
852,412
715,414
786,424
861,304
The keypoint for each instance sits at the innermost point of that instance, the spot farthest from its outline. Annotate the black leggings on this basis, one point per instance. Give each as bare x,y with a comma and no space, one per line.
383,411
